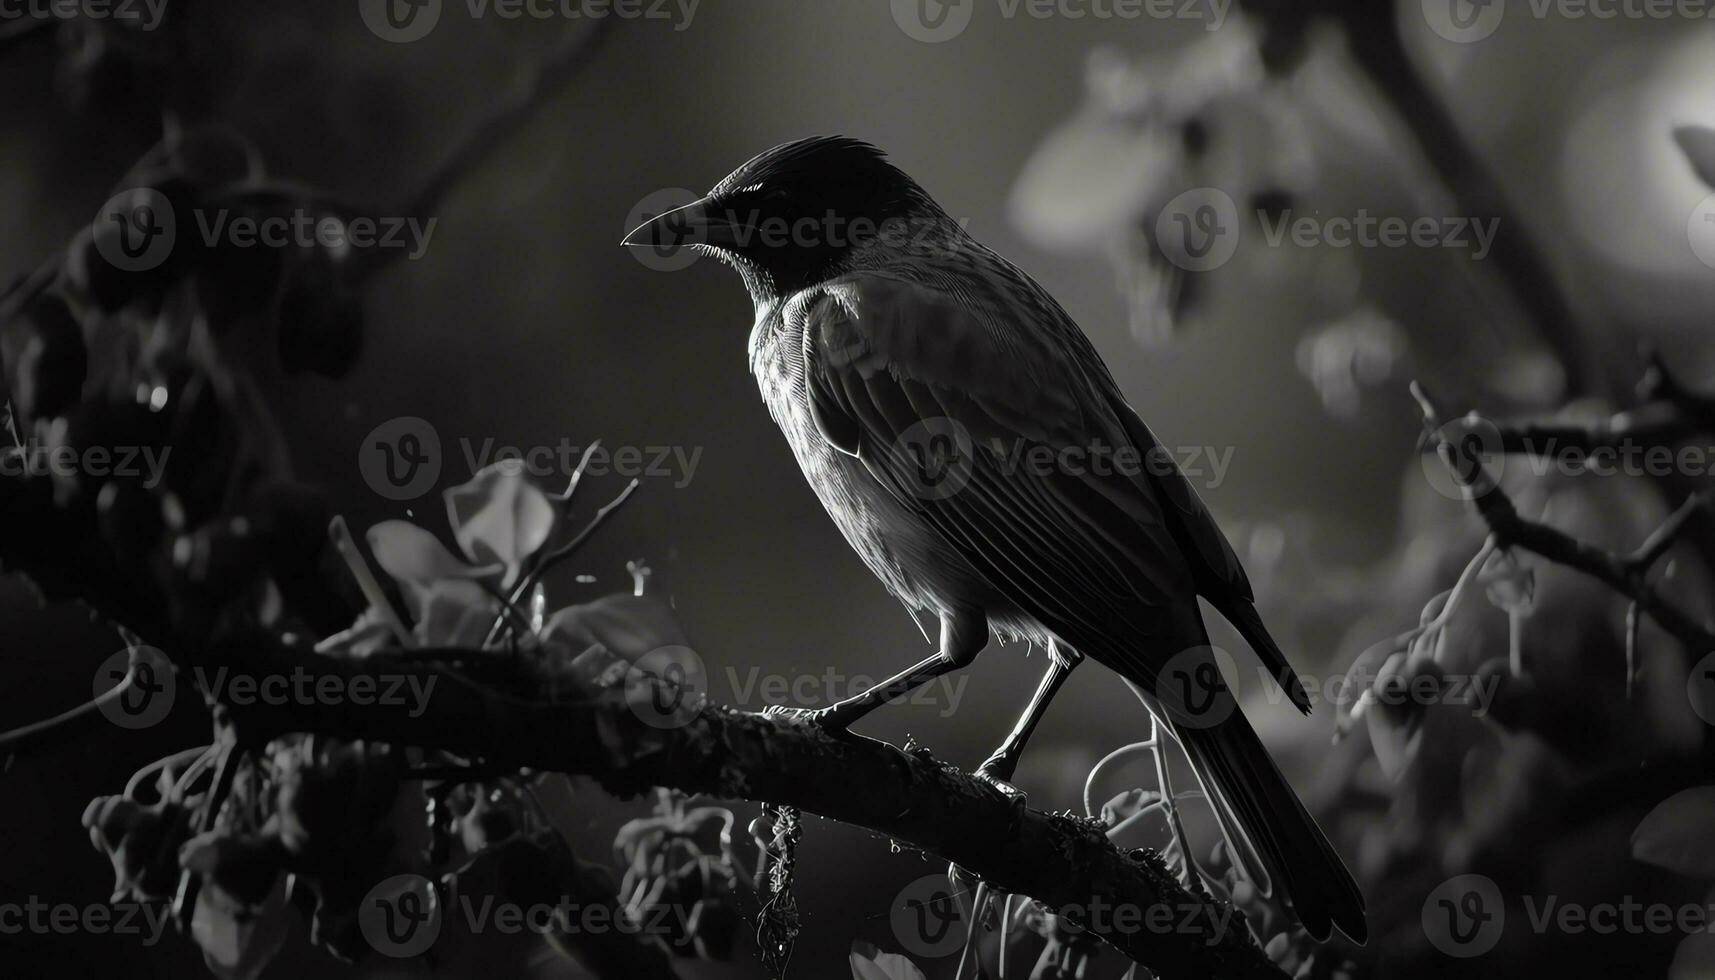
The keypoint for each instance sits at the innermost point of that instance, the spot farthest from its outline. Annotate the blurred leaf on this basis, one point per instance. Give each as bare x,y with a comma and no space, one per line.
1511,584
1089,178
1694,958
1698,145
500,516
626,625
452,613
1675,835
1126,805
869,963
411,554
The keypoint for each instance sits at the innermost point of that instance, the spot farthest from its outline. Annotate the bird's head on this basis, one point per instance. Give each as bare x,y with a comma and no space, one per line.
801,213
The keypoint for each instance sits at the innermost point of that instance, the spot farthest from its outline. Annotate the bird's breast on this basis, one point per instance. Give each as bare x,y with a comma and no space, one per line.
910,558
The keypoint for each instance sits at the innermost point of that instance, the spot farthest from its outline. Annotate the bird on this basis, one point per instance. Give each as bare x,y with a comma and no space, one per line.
973,448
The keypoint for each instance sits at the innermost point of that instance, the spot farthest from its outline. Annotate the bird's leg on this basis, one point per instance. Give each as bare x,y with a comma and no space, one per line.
964,633
998,769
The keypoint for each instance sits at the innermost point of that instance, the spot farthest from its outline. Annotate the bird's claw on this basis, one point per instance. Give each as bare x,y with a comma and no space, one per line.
989,773
825,719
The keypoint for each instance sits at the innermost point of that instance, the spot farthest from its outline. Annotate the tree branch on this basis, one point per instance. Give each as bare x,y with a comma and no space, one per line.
1625,574
1129,899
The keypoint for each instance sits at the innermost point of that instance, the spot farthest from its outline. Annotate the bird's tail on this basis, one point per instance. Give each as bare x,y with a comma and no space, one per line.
1251,798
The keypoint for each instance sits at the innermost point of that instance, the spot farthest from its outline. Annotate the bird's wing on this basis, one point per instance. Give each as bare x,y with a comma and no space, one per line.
968,420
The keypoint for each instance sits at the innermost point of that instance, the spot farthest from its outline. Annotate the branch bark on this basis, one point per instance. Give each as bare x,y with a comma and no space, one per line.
1129,899
482,706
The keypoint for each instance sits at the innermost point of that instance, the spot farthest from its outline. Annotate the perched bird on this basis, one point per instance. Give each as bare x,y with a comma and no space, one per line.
974,449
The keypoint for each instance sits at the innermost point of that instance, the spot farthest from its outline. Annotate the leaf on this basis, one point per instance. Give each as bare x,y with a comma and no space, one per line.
411,554
628,626
1392,738
1090,178
1694,957
452,613
1675,835
1698,145
1126,805
500,516
869,963
1511,584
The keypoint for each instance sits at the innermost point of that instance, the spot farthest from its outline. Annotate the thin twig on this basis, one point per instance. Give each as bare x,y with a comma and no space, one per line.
1620,573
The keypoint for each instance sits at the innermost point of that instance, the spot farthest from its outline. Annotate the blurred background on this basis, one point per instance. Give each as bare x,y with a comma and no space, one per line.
1059,140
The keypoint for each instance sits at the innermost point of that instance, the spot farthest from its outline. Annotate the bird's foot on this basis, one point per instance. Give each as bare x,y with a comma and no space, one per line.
828,719
995,773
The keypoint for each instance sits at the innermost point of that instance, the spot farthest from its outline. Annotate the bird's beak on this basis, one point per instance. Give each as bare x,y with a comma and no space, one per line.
697,223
